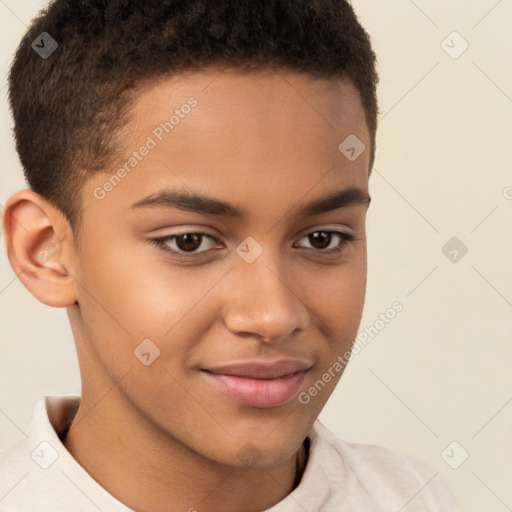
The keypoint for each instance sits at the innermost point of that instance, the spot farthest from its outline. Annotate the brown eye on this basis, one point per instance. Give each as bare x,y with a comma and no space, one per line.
320,239
188,241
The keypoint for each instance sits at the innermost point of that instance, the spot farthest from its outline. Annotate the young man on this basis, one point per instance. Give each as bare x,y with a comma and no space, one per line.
198,178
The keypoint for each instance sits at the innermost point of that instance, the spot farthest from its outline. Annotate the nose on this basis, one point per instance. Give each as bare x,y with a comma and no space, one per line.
262,300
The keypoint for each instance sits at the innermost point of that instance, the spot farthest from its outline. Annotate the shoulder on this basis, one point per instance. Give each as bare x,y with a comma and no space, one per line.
14,467
38,473
19,461
384,474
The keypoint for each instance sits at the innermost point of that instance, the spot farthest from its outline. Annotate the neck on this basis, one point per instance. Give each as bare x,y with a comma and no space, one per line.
146,469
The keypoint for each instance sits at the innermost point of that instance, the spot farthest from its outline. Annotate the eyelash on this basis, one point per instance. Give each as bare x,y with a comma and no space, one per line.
162,242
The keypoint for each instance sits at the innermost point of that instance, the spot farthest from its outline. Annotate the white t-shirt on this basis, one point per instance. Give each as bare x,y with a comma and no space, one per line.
38,474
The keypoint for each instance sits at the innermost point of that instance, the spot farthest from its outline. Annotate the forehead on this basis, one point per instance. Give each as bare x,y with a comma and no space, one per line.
230,98
257,137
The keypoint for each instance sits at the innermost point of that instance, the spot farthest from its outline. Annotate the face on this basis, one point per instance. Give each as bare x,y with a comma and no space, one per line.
222,262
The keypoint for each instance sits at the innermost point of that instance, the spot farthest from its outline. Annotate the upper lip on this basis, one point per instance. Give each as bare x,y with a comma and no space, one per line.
261,369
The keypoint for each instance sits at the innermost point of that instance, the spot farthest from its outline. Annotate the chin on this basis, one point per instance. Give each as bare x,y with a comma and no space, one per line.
260,452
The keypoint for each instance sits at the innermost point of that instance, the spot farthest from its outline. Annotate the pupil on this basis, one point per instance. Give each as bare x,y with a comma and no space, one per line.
322,237
192,241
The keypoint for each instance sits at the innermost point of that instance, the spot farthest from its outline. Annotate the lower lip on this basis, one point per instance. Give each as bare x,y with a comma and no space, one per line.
261,393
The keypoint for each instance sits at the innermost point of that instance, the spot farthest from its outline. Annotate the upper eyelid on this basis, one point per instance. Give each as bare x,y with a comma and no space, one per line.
304,232
309,231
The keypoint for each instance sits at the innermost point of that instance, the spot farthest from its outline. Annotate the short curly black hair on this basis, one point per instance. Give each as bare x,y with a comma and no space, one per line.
68,108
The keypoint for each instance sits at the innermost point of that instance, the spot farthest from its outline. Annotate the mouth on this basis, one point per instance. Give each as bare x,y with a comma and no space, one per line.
259,384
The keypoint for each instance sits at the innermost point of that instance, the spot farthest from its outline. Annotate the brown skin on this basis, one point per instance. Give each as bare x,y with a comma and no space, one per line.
160,434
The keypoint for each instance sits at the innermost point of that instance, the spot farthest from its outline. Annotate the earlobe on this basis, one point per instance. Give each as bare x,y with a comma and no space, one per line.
38,247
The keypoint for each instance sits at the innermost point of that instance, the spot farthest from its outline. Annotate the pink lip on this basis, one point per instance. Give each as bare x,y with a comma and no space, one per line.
260,384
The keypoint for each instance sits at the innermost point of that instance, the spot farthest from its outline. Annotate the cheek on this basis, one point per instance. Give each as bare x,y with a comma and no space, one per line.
133,290
336,295
129,295
338,306
338,315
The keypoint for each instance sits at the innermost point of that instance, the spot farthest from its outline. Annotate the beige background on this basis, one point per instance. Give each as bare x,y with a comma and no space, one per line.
441,370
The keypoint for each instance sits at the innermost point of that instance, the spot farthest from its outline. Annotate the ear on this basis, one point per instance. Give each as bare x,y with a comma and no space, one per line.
39,242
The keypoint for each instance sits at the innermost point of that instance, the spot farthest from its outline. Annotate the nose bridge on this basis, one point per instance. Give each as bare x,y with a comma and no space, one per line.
264,302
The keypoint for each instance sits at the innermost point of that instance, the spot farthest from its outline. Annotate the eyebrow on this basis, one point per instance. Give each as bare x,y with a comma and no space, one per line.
203,204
